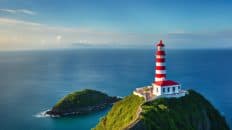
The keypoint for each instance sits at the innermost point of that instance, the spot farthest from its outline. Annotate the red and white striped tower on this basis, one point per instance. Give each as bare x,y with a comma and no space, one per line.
160,70
161,86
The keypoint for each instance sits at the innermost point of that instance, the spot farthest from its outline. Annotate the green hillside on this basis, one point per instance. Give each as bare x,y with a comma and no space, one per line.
81,102
122,113
191,112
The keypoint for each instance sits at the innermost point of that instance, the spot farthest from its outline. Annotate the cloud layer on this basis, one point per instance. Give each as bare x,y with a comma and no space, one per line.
18,11
19,34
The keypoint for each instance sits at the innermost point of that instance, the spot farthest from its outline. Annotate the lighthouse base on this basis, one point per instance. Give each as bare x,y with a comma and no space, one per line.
148,94
175,95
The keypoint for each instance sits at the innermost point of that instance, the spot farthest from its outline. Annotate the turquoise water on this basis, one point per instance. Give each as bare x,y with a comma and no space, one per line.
31,82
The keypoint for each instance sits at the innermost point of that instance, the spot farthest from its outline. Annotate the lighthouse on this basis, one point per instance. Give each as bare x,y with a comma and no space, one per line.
161,86
160,70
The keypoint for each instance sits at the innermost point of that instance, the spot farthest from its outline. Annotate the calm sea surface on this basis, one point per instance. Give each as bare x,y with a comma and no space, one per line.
31,82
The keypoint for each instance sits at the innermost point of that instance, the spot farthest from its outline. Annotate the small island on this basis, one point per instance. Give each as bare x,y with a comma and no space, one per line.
190,112
81,102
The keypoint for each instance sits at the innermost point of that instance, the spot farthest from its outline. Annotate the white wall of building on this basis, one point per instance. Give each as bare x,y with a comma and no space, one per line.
158,90
170,89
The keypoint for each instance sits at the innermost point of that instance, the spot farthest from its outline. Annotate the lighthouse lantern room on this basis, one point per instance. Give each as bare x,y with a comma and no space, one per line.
162,86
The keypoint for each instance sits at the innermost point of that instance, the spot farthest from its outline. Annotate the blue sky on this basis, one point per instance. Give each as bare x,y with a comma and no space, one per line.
47,24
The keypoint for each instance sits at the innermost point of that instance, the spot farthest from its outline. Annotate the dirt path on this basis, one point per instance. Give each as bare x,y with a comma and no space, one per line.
136,120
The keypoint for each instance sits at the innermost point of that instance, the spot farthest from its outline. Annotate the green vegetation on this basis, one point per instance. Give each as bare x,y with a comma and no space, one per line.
81,102
191,112
83,98
122,113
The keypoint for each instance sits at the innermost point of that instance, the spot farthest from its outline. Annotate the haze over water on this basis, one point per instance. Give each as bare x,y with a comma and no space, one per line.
33,81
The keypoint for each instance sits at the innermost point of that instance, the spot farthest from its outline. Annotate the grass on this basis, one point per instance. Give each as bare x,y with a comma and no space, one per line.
122,113
80,99
191,112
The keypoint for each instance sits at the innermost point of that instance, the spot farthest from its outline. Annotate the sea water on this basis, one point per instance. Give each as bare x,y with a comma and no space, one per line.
31,82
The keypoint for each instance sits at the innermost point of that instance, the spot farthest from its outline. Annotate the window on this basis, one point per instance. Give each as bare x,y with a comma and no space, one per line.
163,90
168,89
174,89
178,87
157,90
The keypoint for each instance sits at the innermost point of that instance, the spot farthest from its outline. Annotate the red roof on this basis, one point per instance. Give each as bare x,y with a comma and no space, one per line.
166,83
160,43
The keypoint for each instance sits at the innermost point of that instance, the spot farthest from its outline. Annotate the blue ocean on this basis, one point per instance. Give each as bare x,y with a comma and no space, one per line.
31,82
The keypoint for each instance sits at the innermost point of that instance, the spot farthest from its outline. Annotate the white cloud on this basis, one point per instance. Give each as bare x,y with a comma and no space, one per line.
19,22
58,38
84,41
19,34
18,11
26,11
